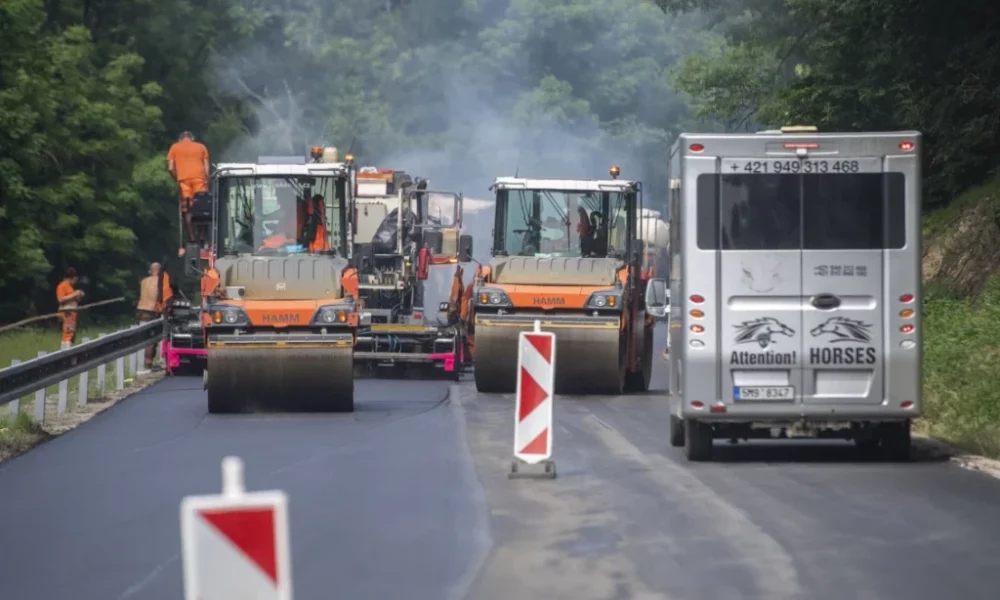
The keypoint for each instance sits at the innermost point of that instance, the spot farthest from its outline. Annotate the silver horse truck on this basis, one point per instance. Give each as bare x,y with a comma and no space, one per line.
796,288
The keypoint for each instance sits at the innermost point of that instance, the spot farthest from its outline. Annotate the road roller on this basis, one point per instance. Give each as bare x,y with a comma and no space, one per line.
403,229
280,295
566,254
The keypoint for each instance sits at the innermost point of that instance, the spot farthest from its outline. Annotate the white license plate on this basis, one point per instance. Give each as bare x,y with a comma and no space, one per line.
763,393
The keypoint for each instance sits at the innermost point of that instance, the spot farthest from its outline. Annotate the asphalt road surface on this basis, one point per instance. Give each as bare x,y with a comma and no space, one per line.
409,498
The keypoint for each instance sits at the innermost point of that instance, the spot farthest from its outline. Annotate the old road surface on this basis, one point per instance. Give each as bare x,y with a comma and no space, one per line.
408,499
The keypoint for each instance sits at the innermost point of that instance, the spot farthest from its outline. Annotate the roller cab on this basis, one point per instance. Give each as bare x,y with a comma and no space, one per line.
282,318
405,229
566,255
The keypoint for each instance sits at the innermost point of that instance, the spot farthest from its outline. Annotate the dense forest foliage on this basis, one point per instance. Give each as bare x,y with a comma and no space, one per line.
92,93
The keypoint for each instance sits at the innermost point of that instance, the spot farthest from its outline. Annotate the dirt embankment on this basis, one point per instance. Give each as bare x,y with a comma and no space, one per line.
962,242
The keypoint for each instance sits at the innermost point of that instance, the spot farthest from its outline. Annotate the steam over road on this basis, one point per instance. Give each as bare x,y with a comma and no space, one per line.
408,498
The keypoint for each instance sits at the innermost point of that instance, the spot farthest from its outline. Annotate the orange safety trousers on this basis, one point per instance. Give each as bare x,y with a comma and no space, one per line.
68,326
190,187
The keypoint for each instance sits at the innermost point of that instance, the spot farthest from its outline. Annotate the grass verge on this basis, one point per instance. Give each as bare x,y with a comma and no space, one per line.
19,434
962,369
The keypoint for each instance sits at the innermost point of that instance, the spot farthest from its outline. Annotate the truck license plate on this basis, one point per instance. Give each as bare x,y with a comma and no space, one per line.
763,393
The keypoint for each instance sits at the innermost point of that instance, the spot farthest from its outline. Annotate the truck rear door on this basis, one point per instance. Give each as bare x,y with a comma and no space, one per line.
760,266
803,253
851,213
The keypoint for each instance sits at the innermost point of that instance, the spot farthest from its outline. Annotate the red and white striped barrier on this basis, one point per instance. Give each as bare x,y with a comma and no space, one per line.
236,545
536,357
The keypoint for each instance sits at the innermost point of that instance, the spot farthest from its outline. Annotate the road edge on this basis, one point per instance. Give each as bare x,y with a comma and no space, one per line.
57,425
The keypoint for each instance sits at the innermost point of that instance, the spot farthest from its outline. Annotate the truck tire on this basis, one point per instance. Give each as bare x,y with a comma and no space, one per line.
896,441
676,431
697,440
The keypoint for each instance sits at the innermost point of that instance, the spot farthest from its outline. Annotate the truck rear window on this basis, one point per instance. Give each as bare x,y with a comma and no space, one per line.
855,211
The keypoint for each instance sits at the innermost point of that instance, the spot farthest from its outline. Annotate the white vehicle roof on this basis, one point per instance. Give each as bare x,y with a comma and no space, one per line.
254,169
568,185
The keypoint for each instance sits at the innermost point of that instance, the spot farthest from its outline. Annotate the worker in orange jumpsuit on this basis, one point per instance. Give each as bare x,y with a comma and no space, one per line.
68,298
315,217
460,303
288,228
151,307
188,162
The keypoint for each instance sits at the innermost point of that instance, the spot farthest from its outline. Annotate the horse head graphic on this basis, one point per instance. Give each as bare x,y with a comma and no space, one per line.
762,331
843,329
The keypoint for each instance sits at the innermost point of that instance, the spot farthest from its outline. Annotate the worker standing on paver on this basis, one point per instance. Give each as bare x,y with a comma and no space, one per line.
68,297
188,162
152,299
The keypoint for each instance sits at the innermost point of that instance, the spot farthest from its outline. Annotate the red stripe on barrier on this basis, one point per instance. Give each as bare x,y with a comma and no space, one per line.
542,343
539,445
532,394
253,532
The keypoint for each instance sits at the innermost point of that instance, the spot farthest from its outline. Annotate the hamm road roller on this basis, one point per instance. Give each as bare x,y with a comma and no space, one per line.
566,253
280,310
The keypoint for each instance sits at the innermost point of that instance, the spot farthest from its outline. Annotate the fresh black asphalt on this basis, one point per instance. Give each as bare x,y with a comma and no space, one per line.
409,498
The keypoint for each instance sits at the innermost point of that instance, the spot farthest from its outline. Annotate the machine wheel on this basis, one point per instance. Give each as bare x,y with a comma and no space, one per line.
676,431
895,438
697,440
638,381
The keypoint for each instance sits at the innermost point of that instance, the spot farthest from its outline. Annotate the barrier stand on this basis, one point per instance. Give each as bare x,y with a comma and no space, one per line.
235,545
536,358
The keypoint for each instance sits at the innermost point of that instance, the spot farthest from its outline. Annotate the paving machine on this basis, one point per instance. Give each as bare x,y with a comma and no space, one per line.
184,344
566,253
279,296
411,229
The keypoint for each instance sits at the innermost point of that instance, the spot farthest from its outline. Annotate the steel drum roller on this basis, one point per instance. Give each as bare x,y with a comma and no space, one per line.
313,379
588,360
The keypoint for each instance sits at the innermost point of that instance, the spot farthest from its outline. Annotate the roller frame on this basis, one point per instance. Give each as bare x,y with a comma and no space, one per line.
447,360
236,382
590,354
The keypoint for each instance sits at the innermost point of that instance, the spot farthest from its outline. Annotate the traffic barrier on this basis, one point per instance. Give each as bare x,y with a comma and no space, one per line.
122,348
536,358
235,545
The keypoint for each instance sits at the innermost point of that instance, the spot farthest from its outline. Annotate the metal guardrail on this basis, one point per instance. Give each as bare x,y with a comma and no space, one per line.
39,373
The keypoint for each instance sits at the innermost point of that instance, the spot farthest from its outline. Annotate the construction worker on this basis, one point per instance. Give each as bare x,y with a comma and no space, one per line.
68,298
188,162
152,300
314,227
287,230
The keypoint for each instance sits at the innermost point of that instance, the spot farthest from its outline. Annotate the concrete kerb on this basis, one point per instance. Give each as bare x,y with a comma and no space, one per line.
936,449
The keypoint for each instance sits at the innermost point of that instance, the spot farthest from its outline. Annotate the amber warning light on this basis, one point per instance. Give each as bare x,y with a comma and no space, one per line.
316,152
803,145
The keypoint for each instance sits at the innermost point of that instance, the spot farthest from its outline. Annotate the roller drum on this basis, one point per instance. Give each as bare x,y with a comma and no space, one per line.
315,379
588,360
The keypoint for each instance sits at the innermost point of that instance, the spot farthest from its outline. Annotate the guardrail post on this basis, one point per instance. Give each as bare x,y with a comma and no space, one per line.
132,364
120,373
101,374
84,385
40,398
15,405
63,393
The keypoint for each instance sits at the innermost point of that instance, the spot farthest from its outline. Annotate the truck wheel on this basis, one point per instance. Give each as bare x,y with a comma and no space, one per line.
896,440
676,431
697,440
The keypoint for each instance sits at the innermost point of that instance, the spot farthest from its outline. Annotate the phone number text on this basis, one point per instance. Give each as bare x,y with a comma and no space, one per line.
796,166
